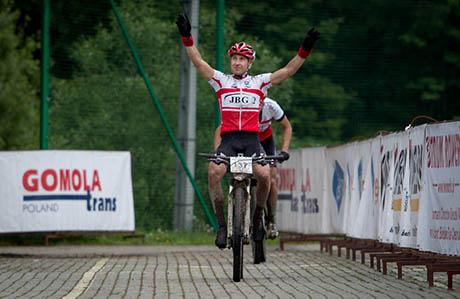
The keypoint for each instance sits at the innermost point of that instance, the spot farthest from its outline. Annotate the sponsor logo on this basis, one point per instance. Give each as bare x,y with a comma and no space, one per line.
43,190
338,184
240,99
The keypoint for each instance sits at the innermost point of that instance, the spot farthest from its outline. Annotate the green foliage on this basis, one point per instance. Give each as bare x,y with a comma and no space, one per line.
19,75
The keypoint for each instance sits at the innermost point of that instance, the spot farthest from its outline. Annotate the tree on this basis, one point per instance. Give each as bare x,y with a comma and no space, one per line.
19,77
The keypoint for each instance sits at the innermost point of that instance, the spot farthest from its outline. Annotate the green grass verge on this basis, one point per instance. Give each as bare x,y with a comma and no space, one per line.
158,237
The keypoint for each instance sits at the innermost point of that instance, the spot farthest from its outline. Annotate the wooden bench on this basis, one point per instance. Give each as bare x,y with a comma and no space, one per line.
450,275
440,267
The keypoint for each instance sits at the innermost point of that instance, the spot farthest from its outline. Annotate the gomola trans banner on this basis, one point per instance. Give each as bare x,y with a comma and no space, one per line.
439,216
66,191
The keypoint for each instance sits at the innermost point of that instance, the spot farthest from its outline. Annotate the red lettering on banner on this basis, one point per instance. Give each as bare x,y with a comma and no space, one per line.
49,173
76,180
443,151
31,185
307,186
62,180
64,184
96,181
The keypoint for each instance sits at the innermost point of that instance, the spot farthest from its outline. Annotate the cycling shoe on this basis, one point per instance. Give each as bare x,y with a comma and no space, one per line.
221,237
272,231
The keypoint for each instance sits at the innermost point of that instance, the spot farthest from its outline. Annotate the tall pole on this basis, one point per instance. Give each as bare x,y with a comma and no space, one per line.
183,199
219,50
44,67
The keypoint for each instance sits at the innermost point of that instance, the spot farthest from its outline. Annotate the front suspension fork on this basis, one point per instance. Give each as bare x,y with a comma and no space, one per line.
247,216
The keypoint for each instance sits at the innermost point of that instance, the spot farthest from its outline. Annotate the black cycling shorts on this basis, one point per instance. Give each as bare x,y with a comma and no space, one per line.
269,146
246,143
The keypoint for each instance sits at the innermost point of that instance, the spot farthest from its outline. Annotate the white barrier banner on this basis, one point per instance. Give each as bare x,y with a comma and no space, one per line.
388,160
364,213
289,180
314,216
412,185
439,218
66,191
338,182
401,155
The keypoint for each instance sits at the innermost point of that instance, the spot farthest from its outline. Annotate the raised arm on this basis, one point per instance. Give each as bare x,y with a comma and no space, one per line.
293,66
184,27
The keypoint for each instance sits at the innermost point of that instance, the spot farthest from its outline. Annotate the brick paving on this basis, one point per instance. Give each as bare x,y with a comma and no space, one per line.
201,272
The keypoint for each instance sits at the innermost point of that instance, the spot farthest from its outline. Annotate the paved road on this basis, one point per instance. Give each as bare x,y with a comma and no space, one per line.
200,272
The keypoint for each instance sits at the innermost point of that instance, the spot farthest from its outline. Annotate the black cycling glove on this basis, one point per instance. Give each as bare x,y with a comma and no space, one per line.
285,155
183,25
310,39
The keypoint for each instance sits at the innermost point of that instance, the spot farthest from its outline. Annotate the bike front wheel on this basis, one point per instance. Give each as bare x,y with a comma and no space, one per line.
238,232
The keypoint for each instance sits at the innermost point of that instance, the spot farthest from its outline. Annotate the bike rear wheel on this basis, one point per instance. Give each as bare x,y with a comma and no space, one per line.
238,232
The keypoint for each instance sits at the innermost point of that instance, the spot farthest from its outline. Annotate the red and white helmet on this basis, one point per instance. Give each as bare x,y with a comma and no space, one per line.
243,49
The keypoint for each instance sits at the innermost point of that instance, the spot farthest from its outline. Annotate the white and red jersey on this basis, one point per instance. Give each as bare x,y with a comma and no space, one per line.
271,110
240,100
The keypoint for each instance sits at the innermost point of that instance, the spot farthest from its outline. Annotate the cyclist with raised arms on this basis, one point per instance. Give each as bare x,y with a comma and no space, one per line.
271,110
240,98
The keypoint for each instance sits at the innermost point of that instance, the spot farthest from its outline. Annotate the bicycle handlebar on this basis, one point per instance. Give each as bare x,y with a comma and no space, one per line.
258,159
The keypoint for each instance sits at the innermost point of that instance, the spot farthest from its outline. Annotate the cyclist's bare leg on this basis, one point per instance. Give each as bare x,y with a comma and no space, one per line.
262,174
215,175
271,205
272,196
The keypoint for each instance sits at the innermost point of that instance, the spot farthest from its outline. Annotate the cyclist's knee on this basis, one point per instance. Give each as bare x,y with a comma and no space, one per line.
263,175
216,172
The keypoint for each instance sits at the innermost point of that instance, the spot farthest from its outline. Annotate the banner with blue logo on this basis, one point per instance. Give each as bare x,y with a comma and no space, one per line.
338,185
361,192
66,191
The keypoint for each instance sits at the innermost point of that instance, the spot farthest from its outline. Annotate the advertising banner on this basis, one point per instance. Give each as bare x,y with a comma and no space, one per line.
289,180
439,216
388,158
338,182
366,177
412,187
314,214
66,191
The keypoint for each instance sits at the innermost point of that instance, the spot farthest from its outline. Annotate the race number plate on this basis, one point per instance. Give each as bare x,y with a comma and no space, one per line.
241,165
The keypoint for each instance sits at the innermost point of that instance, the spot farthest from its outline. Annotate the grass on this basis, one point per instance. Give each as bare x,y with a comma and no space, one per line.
157,237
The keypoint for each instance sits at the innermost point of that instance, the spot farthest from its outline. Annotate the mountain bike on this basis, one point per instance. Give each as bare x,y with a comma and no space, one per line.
240,210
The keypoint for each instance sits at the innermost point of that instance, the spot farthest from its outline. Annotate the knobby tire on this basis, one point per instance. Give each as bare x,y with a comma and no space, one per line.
238,231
